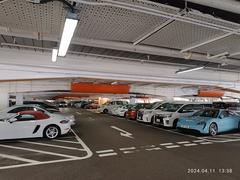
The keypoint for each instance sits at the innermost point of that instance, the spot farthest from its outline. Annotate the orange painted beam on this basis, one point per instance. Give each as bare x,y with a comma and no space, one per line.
210,93
99,88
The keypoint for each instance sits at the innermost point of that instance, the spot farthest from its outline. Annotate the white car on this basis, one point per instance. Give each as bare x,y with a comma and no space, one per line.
172,111
107,107
29,107
32,124
121,110
146,115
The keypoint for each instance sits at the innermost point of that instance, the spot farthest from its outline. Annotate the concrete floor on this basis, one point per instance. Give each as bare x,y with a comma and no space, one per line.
106,148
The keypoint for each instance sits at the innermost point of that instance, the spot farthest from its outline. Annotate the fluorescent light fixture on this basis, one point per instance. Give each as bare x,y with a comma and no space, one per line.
189,70
68,31
54,55
224,54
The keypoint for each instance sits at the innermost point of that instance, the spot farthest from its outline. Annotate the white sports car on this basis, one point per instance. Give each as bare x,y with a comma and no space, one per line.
29,107
32,124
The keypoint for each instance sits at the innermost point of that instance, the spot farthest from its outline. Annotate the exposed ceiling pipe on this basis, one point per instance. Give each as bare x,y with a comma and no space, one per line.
227,5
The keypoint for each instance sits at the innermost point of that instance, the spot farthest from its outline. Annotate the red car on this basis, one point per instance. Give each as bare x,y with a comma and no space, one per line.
132,112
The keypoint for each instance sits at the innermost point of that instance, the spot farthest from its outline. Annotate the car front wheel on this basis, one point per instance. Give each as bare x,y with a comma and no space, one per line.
51,132
213,129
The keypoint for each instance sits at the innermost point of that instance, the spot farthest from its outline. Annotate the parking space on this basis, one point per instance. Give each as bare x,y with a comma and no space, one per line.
100,144
30,152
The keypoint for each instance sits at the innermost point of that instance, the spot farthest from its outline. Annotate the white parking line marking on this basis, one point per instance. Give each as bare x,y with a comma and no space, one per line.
18,158
174,146
89,154
183,142
52,145
192,144
127,148
206,143
201,140
38,151
228,136
108,154
73,142
166,144
105,151
128,152
79,113
153,149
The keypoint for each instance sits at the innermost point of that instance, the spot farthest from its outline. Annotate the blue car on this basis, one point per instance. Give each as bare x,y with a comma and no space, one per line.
210,121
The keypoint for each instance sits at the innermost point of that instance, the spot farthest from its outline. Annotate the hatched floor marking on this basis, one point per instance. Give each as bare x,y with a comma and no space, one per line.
17,158
62,157
107,154
173,146
222,138
105,151
192,144
183,142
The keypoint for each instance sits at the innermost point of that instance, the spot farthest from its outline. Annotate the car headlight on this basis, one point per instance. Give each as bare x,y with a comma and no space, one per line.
168,115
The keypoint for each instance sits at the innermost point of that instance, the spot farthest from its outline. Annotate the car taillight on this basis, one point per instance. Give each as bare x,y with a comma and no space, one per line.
64,121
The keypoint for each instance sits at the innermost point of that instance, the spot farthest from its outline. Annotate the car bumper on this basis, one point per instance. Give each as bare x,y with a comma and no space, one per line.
144,118
163,121
193,128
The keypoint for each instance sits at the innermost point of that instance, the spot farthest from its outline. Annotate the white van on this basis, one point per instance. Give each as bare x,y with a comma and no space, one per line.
146,115
171,112
107,107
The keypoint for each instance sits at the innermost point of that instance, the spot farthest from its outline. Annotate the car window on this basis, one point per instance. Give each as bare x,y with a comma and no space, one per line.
207,105
187,109
225,114
213,113
25,117
197,107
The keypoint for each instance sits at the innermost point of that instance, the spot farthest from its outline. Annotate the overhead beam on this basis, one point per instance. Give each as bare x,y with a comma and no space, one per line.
151,50
206,42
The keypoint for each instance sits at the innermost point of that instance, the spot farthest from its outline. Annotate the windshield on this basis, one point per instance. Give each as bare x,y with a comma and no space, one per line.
213,113
153,105
169,107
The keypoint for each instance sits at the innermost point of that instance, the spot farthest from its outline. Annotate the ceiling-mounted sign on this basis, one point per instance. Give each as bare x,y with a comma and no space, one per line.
100,88
210,93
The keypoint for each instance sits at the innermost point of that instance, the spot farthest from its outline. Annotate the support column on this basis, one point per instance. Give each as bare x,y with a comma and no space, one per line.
19,99
4,100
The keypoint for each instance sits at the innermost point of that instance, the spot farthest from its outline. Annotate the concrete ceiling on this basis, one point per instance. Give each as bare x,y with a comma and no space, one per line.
25,25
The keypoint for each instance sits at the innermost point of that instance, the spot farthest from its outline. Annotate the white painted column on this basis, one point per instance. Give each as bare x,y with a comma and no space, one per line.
19,99
4,100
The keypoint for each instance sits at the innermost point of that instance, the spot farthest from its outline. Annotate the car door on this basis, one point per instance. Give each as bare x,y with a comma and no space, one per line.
227,121
21,126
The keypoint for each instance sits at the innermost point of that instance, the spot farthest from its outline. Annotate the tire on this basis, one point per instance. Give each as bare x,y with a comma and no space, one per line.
152,119
105,111
213,129
125,115
51,132
175,123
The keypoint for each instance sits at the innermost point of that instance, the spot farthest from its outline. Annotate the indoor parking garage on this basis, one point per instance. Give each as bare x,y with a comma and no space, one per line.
119,89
